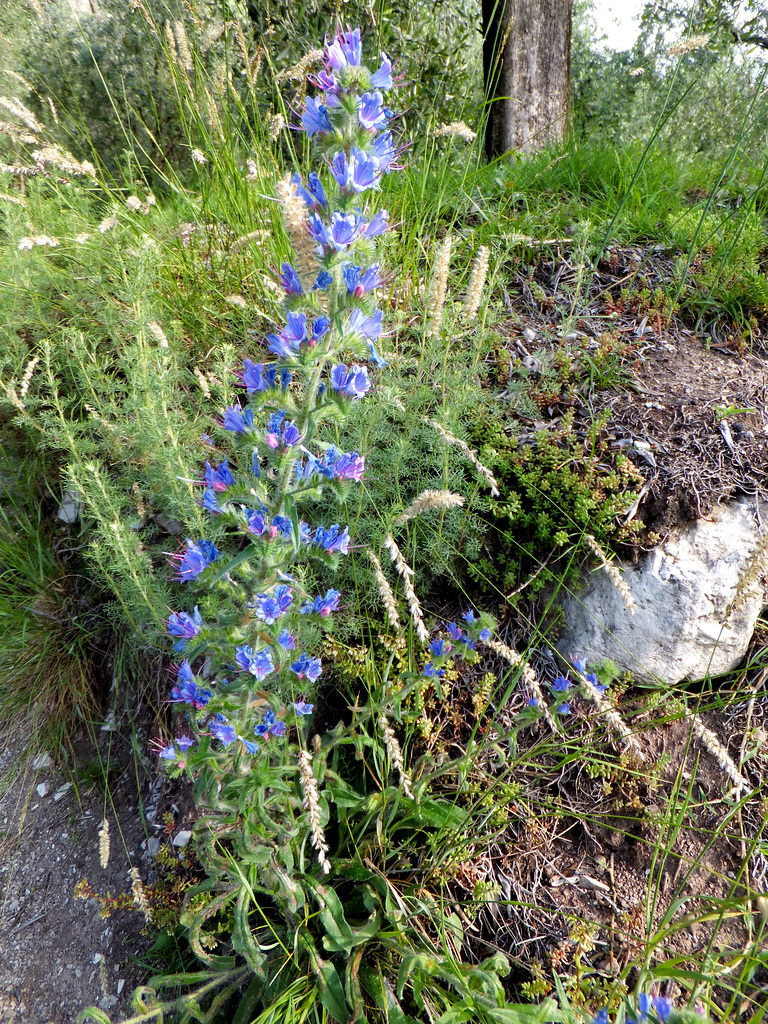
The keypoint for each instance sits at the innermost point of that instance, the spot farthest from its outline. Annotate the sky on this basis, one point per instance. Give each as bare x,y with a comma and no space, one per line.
619,20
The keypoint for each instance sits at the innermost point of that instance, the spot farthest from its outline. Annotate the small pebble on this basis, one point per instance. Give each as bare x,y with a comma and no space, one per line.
44,789
182,838
529,335
62,791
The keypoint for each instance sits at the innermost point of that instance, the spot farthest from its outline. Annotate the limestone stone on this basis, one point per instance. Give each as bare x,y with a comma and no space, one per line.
681,591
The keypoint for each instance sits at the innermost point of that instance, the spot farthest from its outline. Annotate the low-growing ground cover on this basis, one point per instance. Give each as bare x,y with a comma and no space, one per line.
465,827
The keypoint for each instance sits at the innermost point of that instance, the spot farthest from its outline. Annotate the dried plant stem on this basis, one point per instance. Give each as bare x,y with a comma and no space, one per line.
427,501
140,895
463,447
387,597
612,717
750,577
476,284
711,743
396,755
612,573
438,289
295,214
405,572
104,843
312,806
529,677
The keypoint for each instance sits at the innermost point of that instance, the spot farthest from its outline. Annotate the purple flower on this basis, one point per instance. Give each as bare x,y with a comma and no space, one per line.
218,477
368,326
196,559
306,666
315,187
430,671
259,664
455,632
340,169
290,280
256,377
364,171
439,648
303,709
183,625
255,464
281,431
287,640
323,606
332,464
271,607
333,539
237,420
326,81
269,725
187,692
281,524
358,282
349,467
352,383
377,225
561,685
592,678
345,228
345,51
319,328
210,502
469,617
220,729
382,79
602,1017
315,118
484,634
171,752
256,523
370,111
565,708
579,664
383,150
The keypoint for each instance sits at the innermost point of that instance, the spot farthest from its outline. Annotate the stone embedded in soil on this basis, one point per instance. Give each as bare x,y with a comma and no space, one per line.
682,590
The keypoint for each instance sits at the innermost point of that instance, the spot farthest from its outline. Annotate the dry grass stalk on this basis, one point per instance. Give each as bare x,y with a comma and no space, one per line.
54,112
185,54
396,755
405,572
198,156
260,235
237,300
612,573
463,447
16,134
458,129
138,5
529,676
429,500
476,284
107,224
275,125
202,380
158,332
140,897
26,380
387,597
295,214
711,743
438,288
612,717
299,70
689,44
104,977
36,7
104,843
16,200
312,806
16,107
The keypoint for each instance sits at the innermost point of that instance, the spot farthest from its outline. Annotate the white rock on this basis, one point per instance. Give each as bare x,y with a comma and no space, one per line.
182,838
681,590
529,335
62,791
44,789
42,761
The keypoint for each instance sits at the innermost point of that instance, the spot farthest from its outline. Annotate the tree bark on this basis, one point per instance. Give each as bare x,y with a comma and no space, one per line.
527,73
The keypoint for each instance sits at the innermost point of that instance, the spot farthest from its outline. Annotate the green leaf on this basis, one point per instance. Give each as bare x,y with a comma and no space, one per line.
433,813
330,990
242,936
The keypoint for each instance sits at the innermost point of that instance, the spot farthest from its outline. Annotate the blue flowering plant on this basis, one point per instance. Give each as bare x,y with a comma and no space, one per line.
274,461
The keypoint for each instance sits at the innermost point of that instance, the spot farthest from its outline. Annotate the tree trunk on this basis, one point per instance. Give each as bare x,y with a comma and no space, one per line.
527,73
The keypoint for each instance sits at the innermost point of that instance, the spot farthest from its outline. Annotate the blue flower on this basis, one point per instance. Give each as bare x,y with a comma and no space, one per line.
351,382
602,1017
332,539
172,750
323,606
439,648
271,606
256,377
371,113
220,729
282,525
256,521
455,632
561,685
287,640
259,664
290,280
532,702
256,464
315,119
251,748
345,228
565,708
358,282
303,709
306,666
322,280
484,634
237,420
269,726
183,625
218,477
368,326
384,151
469,617
345,51
196,559
382,79
377,225
430,671
592,678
